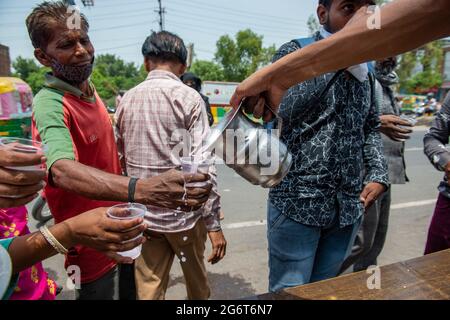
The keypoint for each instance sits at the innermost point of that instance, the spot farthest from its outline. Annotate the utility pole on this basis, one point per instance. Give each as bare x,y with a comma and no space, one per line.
161,12
190,57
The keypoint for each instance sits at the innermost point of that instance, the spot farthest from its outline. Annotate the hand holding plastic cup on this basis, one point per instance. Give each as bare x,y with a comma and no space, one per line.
24,146
411,120
128,211
197,164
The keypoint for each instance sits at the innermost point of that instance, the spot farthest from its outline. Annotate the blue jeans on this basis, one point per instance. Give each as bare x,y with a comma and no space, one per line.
300,254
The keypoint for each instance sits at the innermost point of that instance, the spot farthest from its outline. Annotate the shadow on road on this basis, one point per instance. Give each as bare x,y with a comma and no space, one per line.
224,286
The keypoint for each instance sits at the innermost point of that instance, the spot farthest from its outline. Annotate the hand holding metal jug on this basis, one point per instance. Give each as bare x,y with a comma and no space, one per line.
254,152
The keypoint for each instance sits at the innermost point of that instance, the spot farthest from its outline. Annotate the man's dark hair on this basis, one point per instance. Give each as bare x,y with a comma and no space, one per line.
165,47
326,3
45,18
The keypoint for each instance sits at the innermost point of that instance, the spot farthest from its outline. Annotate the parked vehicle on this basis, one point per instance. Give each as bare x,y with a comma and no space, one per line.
219,94
16,100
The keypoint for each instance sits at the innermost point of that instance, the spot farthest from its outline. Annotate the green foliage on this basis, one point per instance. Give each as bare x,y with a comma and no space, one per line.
36,79
24,67
408,62
207,70
29,71
242,56
424,82
313,24
111,74
430,58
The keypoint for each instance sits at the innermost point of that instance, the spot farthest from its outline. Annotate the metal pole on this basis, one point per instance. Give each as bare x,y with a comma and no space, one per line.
161,13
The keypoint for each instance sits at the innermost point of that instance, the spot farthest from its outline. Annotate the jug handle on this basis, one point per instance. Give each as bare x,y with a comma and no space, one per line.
277,116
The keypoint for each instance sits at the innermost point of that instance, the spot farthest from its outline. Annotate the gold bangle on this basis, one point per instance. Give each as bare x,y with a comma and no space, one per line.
52,240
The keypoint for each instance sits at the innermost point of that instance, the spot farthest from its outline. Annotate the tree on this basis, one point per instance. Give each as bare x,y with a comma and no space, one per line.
24,67
313,25
36,79
207,70
430,58
241,57
407,64
30,72
111,74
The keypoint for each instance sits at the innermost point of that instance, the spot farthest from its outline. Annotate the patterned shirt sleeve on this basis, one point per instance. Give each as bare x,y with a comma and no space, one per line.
374,159
200,131
284,50
438,136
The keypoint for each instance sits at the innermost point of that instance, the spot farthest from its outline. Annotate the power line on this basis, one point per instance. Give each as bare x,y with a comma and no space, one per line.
219,32
240,12
120,47
121,26
230,22
212,31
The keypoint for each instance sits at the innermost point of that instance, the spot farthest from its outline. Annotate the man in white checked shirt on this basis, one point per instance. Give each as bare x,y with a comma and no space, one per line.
146,120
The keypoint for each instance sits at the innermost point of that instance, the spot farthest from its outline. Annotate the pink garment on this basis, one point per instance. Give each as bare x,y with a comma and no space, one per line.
8,105
34,283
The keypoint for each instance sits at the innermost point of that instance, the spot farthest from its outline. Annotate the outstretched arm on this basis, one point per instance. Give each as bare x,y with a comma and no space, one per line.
93,229
405,25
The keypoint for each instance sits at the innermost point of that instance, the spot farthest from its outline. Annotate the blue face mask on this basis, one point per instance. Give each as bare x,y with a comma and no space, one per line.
73,74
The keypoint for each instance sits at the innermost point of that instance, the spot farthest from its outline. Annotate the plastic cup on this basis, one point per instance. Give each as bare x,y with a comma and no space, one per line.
195,164
25,146
411,120
128,211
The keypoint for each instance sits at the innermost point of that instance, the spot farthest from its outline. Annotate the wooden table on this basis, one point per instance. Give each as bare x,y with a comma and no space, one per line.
424,278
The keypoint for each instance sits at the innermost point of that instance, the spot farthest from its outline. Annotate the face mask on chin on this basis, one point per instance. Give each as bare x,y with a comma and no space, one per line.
70,73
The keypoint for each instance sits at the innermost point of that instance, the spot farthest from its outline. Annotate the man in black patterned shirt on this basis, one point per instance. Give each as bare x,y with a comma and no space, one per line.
313,215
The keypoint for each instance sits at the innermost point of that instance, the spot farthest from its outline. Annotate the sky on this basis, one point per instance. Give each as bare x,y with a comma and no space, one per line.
120,27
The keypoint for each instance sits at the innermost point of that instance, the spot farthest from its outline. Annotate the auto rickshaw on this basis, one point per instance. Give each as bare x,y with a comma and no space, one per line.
16,98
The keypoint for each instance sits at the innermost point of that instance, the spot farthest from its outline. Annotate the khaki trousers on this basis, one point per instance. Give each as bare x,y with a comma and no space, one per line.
152,268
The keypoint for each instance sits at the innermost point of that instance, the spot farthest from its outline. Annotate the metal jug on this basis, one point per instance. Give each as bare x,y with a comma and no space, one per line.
252,151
